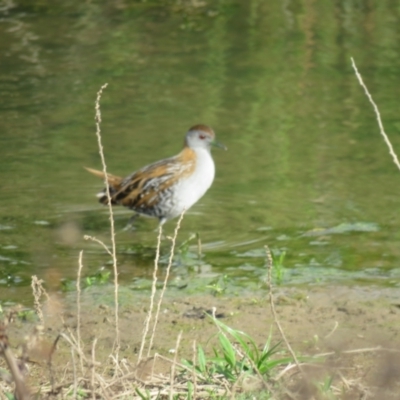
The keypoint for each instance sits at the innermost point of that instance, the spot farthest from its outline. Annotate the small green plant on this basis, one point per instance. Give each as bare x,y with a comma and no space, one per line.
80,394
9,396
26,315
325,388
143,396
246,353
190,389
235,354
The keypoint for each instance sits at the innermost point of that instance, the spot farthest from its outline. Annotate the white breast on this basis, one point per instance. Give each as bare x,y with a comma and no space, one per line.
193,187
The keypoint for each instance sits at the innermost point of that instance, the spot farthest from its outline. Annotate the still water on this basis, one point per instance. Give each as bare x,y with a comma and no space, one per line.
306,171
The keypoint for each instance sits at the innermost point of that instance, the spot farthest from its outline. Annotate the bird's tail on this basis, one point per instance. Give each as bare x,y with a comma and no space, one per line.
113,180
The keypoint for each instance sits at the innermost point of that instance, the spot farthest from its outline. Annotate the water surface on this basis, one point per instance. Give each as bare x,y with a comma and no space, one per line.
306,172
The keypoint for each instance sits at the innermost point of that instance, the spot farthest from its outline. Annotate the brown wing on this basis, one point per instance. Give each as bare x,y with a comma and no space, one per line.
144,188
141,188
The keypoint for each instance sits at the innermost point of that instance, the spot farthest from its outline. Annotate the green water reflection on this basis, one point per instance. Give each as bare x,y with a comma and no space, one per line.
274,79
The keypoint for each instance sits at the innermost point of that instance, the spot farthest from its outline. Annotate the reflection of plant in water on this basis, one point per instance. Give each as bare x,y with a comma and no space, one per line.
278,268
184,248
219,285
99,278
24,38
194,13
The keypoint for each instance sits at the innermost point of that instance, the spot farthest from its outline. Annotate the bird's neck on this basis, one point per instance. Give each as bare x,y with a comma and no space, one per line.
187,155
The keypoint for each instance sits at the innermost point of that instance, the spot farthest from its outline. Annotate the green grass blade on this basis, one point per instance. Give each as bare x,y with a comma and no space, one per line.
229,351
201,360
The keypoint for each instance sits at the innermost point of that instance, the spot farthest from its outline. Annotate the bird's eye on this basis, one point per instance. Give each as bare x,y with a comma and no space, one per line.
202,137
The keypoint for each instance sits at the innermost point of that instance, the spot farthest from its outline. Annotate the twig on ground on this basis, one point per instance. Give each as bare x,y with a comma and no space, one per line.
288,368
112,228
93,374
378,116
117,367
73,343
21,389
49,362
275,316
356,351
102,383
74,373
333,330
182,366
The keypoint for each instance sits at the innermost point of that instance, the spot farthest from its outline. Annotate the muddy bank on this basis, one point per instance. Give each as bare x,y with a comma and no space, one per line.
352,323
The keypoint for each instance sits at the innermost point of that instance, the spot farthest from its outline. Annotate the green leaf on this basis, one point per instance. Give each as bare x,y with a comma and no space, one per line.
201,359
142,395
228,350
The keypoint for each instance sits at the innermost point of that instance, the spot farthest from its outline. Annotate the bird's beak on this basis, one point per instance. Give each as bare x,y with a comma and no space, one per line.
218,144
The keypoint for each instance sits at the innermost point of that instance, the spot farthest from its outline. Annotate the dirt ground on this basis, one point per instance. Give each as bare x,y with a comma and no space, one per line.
360,326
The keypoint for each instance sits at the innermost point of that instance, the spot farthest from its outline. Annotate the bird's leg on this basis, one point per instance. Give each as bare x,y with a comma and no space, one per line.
129,226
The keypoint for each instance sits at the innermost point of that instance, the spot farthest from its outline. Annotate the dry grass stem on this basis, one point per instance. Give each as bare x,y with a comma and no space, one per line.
50,362
153,294
102,383
194,376
78,307
272,305
288,368
112,228
93,375
74,373
336,325
74,346
171,256
178,342
94,239
38,290
356,351
378,116
182,366
117,368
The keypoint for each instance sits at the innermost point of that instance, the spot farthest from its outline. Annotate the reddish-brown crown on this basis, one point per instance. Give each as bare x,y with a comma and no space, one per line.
204,128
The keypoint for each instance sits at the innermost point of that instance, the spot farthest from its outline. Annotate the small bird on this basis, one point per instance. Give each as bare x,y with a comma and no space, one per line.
167,187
